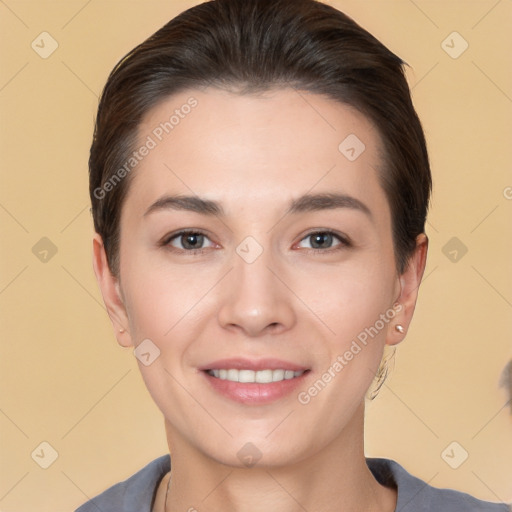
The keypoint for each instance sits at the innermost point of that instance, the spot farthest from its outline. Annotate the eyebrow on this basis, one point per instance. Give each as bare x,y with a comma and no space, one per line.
305,203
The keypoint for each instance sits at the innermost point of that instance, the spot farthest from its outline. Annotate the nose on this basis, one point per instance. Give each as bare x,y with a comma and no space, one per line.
256,299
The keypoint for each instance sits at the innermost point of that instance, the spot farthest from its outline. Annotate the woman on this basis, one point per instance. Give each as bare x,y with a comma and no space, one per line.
259,183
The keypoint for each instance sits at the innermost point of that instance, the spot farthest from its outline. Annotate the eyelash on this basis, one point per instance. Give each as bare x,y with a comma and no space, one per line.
344,242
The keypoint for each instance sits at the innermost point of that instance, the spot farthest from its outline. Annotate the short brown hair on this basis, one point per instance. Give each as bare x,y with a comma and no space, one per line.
257,45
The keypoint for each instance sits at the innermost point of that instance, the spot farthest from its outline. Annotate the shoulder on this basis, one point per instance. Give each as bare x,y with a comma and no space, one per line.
415,495
135,494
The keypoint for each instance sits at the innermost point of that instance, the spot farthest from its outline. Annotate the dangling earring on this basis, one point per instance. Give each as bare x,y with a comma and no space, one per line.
399,328
382,373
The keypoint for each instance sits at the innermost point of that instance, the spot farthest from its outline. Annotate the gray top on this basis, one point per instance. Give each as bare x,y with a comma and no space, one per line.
136,494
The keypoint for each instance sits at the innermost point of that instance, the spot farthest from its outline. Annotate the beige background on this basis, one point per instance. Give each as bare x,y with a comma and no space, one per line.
64,379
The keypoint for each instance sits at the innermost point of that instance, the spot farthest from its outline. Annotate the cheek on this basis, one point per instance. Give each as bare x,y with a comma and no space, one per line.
166,308
356,306
158,301
348,298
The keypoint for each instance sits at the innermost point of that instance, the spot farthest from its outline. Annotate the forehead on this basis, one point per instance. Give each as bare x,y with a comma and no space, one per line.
256,148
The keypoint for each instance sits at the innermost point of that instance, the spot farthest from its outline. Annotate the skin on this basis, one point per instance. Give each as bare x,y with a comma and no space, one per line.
253,154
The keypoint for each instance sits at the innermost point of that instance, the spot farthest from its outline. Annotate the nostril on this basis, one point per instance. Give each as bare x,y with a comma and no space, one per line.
274,327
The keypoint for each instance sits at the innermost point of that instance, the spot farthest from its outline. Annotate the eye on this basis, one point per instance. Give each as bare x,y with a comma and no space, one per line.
323,240
189,241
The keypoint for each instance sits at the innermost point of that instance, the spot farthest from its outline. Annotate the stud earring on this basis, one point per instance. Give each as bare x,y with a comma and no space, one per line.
121,330
399,328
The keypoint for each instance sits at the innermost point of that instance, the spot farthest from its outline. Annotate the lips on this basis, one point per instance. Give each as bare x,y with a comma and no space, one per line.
255,365
254,381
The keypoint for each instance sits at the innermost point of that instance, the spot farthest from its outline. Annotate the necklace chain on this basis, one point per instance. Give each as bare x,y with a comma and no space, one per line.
167,492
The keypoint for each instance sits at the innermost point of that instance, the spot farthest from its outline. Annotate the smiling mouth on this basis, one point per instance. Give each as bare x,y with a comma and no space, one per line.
256,377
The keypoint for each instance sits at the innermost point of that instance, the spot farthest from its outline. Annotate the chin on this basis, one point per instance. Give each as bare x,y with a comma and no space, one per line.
239,453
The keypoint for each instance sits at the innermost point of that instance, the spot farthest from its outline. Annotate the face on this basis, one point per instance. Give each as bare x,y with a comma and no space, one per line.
262,326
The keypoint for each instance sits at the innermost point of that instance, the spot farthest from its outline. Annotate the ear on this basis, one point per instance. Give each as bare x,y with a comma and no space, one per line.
110,289
410,281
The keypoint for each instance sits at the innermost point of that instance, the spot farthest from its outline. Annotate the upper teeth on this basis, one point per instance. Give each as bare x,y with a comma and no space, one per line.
261,376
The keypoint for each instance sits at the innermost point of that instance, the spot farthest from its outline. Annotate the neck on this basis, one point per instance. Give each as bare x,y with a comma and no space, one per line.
334,479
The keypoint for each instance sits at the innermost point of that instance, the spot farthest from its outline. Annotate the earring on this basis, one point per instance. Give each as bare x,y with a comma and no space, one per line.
399,328
382,373
121,330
